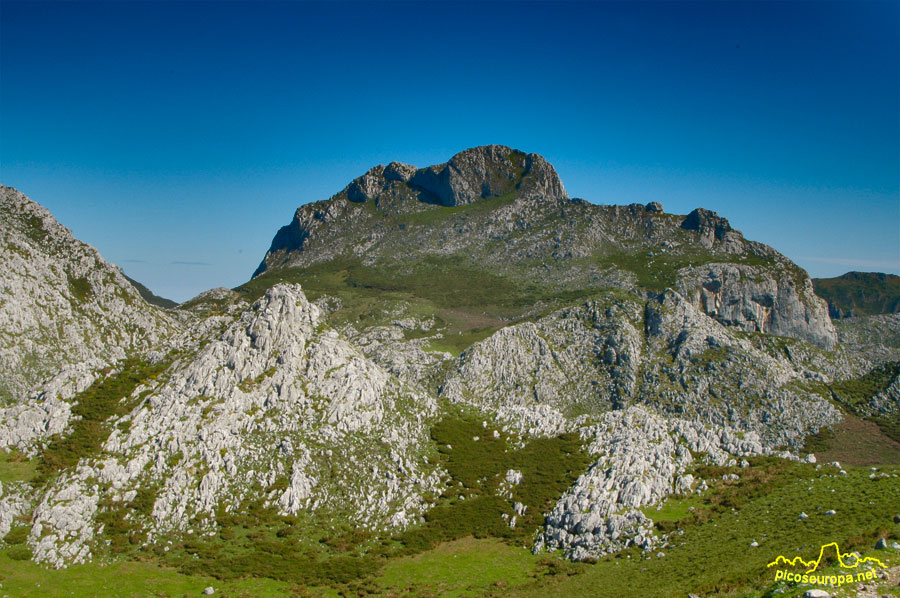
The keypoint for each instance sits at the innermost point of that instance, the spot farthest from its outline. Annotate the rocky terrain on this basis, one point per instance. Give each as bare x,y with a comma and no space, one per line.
504,212
61,303
385,319
347,436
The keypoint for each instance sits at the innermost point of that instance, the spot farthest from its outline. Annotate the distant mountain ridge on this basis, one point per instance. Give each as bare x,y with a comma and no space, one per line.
149,295
860,294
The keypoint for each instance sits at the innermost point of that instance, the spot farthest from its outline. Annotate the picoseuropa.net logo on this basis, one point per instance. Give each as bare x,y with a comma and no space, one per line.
847,560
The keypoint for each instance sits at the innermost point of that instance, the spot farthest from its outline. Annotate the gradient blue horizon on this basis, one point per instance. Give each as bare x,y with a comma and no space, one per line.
177,137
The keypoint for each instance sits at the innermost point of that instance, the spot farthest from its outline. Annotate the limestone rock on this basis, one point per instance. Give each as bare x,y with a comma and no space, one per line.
752,299
489,171
277,377
640,460
616,350
61,303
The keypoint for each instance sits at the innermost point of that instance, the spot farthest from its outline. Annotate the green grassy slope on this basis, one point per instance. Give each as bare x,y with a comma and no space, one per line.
709,551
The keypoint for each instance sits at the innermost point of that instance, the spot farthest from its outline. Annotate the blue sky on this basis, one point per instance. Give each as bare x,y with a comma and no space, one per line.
177,137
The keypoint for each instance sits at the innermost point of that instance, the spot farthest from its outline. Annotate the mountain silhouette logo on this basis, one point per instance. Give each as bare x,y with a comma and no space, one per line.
847,560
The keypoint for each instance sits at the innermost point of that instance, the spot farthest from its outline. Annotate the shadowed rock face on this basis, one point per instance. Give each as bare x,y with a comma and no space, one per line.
488,171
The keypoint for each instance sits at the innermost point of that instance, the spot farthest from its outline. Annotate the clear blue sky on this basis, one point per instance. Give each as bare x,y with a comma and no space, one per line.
177,138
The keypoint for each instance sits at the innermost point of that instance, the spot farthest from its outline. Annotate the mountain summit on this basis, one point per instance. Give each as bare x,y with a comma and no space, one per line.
502,217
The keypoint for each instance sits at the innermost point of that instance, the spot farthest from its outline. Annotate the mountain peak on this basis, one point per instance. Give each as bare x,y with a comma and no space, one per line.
489,171
471,175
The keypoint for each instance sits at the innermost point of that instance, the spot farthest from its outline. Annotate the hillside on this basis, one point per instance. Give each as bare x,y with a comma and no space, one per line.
61,303
860,294
149,296
437,369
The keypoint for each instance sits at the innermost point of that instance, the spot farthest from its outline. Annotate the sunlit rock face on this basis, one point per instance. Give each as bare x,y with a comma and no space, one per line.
61,303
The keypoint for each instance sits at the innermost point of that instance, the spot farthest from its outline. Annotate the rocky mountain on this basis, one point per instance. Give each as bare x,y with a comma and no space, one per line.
62,304
430,354
860,294
347,437
505,216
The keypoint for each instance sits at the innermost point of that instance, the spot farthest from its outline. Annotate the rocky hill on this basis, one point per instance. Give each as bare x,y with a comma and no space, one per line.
61,303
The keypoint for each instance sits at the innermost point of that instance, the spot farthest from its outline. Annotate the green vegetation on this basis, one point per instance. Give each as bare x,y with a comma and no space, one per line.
709,551
855,393
471,505
446,282
107,397
118,519
16,467
467,303
659,271
860,293
123,579
854,441
857,439
81,288
34,228
439,214
467,567
254,541
462,340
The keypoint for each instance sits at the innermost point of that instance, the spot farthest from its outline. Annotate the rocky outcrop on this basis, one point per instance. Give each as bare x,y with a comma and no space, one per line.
16,500
870,340
642,458
713,231
27,425
543,378
61,303
489,171
278,401
538,377
754,298
470,176
411,360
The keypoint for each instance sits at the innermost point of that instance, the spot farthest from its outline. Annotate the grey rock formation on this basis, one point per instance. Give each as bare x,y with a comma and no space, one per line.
615,350
753,299
713,230
489,171
277,377
870,340
15,501
641,459
47,411
61,303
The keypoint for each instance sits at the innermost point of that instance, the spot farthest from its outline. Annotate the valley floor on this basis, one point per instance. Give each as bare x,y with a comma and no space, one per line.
710,550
